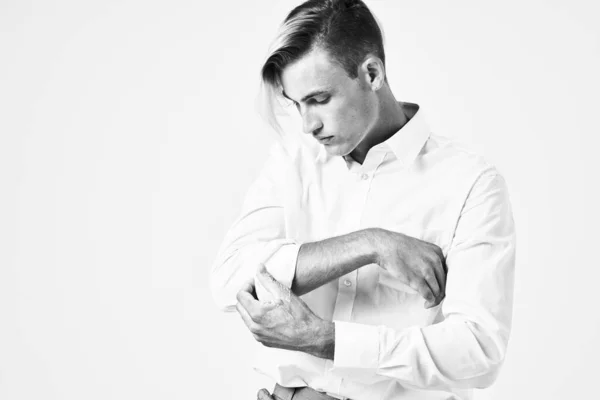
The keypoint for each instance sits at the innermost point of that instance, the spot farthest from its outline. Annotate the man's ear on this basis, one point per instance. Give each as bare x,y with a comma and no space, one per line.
373,72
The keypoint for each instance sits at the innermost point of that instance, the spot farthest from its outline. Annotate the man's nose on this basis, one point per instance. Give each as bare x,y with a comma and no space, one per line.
310,123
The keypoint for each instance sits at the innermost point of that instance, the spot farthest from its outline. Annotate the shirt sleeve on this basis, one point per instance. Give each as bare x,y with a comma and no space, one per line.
257,236
467,348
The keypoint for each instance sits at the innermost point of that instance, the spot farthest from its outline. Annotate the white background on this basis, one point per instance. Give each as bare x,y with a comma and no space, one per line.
128,138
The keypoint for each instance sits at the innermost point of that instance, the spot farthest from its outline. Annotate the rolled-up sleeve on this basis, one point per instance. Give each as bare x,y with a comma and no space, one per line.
257,236
467,348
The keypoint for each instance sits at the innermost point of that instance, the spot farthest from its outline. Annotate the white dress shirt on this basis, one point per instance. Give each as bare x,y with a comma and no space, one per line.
387,345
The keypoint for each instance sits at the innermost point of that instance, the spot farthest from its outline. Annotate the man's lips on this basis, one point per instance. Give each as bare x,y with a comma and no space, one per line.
324,139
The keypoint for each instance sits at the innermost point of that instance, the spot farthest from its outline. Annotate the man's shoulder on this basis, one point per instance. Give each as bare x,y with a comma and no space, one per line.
455,158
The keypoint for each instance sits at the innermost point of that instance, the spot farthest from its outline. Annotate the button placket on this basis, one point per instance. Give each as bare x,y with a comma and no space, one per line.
345,299
357,195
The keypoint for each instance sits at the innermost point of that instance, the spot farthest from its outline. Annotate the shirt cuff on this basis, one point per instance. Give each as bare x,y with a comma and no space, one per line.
356,347
282,264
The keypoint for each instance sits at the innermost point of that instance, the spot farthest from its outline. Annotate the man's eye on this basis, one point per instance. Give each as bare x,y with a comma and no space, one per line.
321,100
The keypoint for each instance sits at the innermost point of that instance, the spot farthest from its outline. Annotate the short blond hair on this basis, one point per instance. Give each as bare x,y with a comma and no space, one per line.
346,29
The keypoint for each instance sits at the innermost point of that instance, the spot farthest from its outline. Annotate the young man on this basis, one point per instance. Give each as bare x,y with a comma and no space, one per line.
401,244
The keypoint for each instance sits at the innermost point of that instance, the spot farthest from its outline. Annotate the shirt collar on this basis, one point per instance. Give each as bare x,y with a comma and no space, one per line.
404,144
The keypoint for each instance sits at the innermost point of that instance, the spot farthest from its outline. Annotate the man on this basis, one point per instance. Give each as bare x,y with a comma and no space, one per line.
400,244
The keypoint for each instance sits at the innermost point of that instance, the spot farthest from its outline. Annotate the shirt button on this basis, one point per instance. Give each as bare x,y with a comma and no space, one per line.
347,282
364,177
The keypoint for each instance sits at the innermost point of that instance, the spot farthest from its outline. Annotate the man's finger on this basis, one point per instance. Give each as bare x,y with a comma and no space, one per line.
244,314
254,307
431,280
272,285
263,394
248,287
423,289
440,274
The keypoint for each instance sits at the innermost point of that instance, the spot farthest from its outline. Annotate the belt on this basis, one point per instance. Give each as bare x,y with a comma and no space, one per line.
300,393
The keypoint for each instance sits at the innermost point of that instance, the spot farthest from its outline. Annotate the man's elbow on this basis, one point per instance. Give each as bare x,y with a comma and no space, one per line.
492,351
226,279
223,302
472,360
222,293
488,376
479,374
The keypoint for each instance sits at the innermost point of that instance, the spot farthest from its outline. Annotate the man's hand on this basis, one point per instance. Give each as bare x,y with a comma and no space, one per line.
414,262
263,394
286,323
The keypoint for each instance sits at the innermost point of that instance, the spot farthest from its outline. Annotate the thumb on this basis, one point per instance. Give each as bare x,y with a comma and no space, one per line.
271,284
263,394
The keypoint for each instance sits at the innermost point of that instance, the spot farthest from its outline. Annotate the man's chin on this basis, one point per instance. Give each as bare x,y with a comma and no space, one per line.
334,150
340,151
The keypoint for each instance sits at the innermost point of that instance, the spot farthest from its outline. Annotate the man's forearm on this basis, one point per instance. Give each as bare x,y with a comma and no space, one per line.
323,261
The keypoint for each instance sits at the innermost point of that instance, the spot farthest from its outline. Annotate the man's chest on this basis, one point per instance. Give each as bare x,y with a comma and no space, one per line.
335,201
332,201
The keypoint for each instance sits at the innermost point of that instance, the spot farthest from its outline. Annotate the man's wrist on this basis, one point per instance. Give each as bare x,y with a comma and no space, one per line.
325,340
373,239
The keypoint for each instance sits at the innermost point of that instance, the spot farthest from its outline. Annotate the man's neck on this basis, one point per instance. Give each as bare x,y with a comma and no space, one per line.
392,118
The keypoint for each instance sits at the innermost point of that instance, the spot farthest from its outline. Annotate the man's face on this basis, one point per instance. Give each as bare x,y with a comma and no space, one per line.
338,111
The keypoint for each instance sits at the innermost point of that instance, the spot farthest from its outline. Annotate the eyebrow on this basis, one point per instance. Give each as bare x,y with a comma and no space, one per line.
308,96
